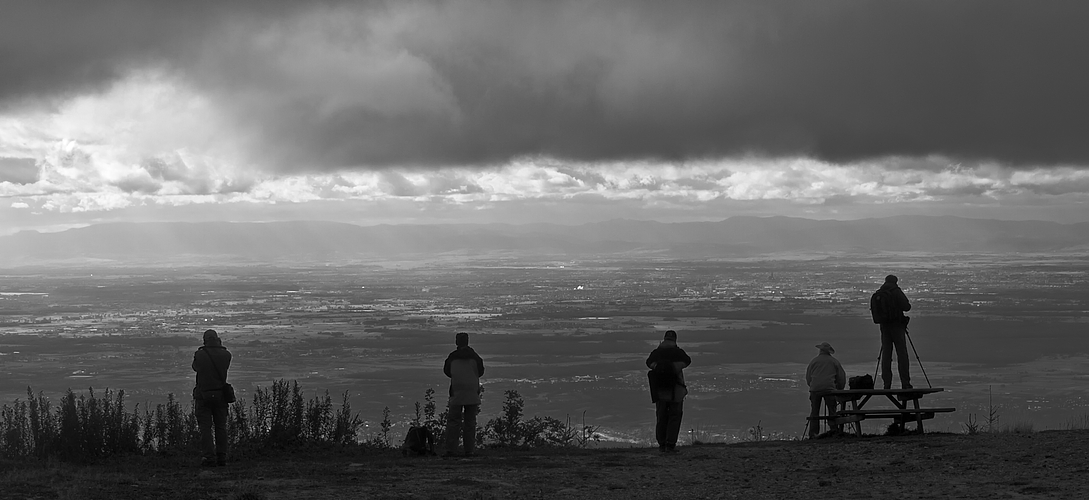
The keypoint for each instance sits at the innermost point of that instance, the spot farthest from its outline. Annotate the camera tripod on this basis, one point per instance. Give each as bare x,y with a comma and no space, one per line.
917,360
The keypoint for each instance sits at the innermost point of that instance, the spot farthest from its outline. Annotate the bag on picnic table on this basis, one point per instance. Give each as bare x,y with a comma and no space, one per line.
860,382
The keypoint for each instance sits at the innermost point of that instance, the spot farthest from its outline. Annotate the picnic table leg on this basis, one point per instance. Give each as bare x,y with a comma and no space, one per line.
833,411
858,423
918,416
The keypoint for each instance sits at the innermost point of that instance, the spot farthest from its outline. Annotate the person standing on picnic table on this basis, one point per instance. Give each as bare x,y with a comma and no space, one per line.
667,388
211,362
823,375
464,367
894,334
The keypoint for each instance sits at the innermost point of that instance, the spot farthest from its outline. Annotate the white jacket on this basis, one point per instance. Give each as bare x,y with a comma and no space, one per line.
825,374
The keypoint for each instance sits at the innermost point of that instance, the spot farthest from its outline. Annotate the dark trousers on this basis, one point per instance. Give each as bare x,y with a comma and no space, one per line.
461,419
668,422
894,335
212,421
815,399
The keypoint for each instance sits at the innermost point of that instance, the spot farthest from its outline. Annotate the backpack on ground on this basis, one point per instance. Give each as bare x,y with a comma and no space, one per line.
883,307
418,441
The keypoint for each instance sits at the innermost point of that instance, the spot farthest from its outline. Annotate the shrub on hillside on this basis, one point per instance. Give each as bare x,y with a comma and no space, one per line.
427,416
79,428
90,426
510,430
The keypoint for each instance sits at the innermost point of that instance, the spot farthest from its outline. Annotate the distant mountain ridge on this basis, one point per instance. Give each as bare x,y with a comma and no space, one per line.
741,236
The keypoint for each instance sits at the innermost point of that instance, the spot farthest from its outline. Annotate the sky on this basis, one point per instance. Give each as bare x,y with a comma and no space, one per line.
484,111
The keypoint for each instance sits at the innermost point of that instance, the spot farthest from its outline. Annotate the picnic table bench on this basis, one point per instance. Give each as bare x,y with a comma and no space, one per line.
900,398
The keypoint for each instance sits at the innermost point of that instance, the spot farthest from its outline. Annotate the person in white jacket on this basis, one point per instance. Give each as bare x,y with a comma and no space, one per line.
824,375
464,367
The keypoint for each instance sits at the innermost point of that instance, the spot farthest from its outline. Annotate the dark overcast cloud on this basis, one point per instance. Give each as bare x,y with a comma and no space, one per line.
326,85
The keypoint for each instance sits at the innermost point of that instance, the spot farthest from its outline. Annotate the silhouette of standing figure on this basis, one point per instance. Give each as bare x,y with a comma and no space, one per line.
464,367
667,363
211,362
894,335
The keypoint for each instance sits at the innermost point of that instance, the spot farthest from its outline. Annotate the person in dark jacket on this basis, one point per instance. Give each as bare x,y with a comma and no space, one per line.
211,362
668,396
894,335
464,367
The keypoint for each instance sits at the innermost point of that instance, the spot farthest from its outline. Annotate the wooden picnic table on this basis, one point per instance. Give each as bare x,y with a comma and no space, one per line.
900,398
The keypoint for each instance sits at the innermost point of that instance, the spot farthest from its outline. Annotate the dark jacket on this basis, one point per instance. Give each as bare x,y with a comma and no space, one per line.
464,367
668,352
208,377
901,300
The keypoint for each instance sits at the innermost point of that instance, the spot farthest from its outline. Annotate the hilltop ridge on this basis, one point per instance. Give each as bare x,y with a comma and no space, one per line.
1009,465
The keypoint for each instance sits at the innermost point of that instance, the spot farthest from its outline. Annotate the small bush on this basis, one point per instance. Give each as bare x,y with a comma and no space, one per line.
381,440
346,428
698,435
426,416
993,416
756,433
510,430
971,427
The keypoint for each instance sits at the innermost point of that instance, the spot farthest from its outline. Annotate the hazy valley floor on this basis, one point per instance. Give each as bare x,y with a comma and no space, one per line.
1049,464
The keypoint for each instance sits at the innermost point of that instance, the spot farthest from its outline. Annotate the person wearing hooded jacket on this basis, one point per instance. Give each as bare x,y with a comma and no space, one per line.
211,362
823,375
464,367
894,335
669,399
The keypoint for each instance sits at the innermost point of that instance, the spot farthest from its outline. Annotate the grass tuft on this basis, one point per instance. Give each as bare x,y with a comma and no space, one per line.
1078,423
1023,427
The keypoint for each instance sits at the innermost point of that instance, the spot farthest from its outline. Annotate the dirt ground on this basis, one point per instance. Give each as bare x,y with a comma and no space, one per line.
1049,464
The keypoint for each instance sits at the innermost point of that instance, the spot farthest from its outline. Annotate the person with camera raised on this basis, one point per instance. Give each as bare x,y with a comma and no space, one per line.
894,331
211,362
